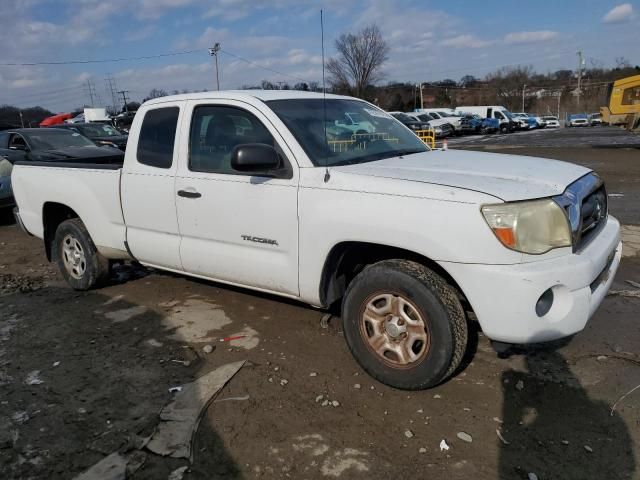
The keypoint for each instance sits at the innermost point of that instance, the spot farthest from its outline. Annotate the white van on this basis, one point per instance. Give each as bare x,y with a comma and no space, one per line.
504,116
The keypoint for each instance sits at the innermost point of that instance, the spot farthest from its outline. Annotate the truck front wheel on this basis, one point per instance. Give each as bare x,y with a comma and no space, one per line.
404,324
79,261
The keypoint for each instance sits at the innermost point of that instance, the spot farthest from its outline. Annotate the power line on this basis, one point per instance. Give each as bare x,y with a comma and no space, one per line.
272,70
103,60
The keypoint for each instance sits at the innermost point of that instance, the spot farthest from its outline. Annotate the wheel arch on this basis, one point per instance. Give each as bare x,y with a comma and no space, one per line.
53,214
346,259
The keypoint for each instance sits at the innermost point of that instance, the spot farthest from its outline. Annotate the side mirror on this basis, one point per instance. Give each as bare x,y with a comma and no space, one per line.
255,158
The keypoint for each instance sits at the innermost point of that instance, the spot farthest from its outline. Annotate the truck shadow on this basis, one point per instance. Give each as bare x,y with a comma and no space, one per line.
6,217
553,428
103,381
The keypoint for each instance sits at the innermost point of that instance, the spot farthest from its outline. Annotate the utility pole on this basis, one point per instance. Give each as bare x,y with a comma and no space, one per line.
524,88
21,119
91,91
580,67
421,97
559,96
110,83
124,99
213,51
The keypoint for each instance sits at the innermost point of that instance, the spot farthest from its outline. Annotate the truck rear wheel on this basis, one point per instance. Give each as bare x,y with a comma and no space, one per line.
404,324
79,261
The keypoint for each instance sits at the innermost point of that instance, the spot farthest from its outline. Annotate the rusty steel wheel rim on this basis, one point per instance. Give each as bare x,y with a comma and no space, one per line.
394,329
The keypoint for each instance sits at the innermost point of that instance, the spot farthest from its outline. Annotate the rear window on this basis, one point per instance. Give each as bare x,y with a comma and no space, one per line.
157,137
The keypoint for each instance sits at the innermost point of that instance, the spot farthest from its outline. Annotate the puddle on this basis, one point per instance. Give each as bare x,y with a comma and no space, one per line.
194,320
250,339
319,455
125,314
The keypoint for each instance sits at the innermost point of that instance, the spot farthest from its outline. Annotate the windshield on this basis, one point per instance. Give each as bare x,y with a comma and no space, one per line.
425,117
386,138
98,130
549,118
445,114
508,114
403,117
53,138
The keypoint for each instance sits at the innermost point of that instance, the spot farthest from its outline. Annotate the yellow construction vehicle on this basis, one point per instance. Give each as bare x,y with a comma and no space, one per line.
624,103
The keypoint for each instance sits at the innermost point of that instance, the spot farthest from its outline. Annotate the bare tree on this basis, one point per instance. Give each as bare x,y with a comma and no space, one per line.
359,60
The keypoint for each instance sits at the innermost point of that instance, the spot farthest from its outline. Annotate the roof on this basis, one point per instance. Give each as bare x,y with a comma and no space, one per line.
264,95
30,130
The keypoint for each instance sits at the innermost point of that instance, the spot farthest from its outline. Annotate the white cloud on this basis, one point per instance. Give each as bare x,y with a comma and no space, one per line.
465,41
538,36
619,14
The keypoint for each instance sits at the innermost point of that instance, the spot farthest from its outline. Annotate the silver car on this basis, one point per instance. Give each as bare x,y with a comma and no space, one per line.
6,194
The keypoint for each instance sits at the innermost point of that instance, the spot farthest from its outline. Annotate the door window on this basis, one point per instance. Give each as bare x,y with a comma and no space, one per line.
631,96
17,142
498,115
216,131
157,137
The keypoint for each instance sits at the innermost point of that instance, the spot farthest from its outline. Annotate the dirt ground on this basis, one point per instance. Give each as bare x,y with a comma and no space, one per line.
85,374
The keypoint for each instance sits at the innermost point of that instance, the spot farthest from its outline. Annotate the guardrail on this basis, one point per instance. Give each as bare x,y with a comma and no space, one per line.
427,136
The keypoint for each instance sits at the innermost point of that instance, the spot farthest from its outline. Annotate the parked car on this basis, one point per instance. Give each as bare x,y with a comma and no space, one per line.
504,116
123,121
6,194
595,119
527,243
527,122
440,125
53,144
447,114
540,123
356,123
409,121
56,119
577,120
551,122
471,123
441,130
490,125
101,134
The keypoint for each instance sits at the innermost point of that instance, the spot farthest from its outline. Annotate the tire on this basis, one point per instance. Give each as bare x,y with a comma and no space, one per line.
77,258
504,129
438,343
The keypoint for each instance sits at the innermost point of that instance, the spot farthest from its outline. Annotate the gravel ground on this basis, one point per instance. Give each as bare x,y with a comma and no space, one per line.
85,374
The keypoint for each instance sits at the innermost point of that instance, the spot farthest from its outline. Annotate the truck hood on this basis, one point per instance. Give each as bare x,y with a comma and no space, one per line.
507,177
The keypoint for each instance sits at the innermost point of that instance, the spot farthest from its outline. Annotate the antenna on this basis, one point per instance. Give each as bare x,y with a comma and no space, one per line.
327,175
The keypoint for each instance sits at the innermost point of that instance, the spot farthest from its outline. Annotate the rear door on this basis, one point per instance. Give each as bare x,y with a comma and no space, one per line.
148,199
235,227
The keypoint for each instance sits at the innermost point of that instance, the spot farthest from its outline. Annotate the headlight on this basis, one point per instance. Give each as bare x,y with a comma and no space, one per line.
532,227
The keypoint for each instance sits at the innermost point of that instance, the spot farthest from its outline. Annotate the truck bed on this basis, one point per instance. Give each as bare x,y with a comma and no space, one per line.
91,190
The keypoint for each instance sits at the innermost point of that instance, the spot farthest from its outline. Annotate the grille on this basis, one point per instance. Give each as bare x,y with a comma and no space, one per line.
593,213
585,202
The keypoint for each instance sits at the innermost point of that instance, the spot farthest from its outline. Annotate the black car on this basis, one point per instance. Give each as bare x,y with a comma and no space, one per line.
54,144
412,123
99,133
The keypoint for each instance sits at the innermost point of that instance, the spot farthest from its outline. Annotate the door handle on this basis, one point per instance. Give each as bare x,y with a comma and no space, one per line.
189,194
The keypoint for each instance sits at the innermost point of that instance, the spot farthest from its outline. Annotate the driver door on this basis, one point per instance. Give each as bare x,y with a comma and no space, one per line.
234,227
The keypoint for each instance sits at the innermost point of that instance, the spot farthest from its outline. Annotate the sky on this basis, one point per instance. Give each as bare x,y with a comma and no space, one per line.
279,41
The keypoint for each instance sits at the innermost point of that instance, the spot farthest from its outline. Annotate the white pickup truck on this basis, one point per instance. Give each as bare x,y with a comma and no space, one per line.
252,189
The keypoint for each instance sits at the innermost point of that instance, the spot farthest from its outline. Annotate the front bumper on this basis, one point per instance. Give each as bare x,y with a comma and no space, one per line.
504,297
